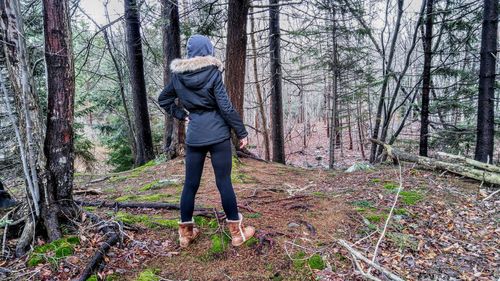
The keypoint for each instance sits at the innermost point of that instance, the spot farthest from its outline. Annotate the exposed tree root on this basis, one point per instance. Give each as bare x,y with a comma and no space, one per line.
247,154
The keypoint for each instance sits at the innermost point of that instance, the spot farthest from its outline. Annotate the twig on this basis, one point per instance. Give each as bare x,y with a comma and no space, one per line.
358,255
491,195
390,212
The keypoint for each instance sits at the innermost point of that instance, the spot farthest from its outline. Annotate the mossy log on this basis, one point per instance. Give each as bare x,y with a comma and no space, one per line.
460,169
471,162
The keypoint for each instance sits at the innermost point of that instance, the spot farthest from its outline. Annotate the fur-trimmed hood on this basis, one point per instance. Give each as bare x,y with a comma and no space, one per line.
193,64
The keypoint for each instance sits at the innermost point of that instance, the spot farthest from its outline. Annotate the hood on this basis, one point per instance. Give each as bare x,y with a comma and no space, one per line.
199,46
193,72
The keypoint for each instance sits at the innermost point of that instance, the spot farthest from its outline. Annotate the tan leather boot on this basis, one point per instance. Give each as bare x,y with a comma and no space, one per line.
187,233
239,232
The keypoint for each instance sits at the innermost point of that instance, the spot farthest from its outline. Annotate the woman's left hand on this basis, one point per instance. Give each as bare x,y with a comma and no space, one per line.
243,142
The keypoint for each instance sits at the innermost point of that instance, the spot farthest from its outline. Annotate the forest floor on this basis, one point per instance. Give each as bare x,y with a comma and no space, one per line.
441,228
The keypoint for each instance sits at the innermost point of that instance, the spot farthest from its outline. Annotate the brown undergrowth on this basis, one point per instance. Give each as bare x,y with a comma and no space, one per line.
441,229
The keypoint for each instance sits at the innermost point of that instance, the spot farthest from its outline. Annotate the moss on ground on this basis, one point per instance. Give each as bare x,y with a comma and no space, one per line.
159,197
53,251
410,197
146,220
158,184
149,274
219,244
375,218
251,242
391,185
134,173
253,215
403,241
316,262
205,222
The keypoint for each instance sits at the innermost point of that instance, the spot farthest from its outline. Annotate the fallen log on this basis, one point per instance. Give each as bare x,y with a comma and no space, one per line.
480,175
112,238
137,205
468,161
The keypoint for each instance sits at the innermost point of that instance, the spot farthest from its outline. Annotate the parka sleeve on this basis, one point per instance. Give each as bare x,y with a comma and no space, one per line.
226,108
167,101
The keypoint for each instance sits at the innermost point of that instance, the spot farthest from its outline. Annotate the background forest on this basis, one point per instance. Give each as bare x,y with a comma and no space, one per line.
356,64
329,91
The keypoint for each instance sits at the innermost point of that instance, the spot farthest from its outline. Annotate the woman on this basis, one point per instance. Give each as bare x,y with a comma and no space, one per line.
197,82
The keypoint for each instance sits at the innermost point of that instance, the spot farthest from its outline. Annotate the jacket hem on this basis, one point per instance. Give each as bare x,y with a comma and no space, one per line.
209,142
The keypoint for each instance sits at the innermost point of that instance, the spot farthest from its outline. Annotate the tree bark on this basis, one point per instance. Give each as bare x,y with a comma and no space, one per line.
486,99
426,80
58,146
144,141
236,51
276,93
174,129
334,121
258,88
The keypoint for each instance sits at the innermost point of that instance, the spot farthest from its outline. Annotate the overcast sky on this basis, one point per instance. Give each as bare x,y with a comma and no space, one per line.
95,9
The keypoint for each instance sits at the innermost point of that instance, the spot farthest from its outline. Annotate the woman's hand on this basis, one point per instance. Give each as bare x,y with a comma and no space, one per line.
186,119
243,142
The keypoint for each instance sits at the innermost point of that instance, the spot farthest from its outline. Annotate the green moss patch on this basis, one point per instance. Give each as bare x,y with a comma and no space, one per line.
158,184
391,186
251,242
219,244
411,197
204,222
90,208
316,262
375,218
362,205
53,251
146,220
159,197
149,274
300,260
253,215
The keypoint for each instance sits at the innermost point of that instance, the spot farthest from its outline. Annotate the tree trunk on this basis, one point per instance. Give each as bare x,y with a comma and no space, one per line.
385,83
426,80
486,99
260,100
334,121
58,145
276,93
236,51
144,141
174,129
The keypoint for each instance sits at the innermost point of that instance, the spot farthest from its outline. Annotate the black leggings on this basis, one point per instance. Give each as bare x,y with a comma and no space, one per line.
222,163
